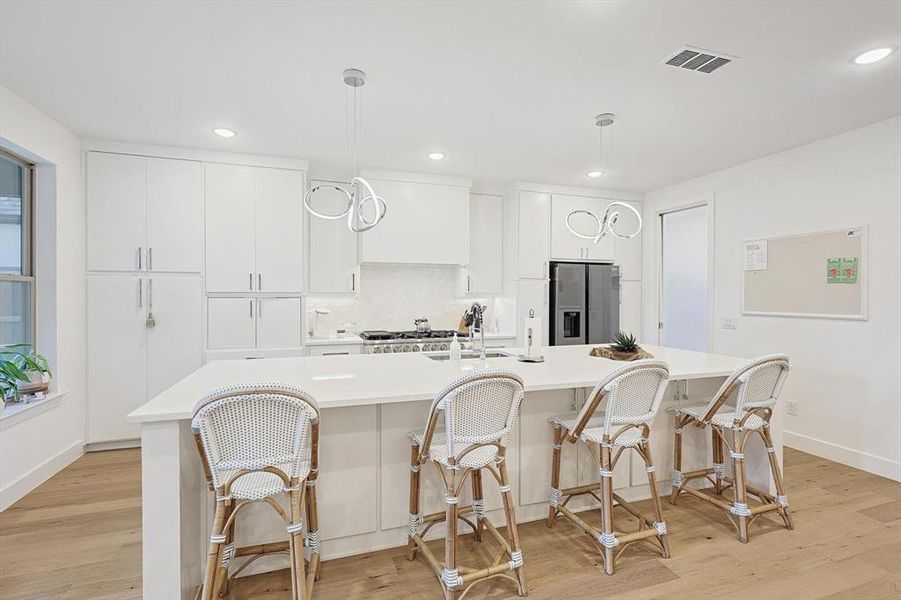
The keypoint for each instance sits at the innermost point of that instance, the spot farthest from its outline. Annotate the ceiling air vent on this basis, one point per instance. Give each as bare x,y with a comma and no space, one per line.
695,59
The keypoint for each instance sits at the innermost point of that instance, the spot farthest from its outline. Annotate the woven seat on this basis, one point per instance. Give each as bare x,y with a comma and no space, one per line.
257,442
633,394
741,407
478,411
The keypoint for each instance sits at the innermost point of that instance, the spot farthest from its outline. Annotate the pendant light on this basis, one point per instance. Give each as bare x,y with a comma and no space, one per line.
360,192
607,223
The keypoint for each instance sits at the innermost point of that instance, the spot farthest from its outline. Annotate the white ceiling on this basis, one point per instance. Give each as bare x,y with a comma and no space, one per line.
507,90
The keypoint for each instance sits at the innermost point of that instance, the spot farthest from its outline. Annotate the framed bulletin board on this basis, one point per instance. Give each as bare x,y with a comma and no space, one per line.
817,275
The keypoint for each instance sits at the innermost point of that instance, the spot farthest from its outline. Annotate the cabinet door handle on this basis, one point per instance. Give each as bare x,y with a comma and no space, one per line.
140,293
468,283
251,307
259,309
250,281
150,293
353,282
150,258
259,282
140,257
545,293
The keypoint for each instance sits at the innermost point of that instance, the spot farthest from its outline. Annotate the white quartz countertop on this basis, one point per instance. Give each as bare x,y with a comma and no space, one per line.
356,380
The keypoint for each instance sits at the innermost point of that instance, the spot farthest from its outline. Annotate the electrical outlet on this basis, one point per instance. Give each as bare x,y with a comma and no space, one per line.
791,408
729,323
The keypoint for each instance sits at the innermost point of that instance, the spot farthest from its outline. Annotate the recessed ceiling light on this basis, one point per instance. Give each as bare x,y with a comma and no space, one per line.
871,56
437,155
224,132
594,174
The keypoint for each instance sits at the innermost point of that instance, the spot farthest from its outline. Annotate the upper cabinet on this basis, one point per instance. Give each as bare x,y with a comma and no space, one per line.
333,266
531,234
565,245
427,221
144,214
254,224
483,276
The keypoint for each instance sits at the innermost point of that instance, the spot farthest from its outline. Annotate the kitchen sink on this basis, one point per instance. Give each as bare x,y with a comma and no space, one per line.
470,355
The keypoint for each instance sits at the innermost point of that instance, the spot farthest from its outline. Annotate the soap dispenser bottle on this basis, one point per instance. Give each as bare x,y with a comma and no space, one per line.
455,349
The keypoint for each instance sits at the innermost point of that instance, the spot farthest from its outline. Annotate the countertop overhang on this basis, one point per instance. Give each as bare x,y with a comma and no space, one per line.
359,380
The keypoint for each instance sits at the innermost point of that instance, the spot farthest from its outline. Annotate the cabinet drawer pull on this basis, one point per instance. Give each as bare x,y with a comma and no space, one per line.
250,281
259,282
150,258
335,353
353,282
140,258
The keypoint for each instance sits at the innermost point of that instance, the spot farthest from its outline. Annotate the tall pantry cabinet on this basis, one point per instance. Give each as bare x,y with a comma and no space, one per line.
144,288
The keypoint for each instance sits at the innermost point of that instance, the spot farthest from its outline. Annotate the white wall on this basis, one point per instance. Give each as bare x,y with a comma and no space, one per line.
845,373
31,450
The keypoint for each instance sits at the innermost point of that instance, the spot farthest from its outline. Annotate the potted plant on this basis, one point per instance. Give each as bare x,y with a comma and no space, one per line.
22,371
624,346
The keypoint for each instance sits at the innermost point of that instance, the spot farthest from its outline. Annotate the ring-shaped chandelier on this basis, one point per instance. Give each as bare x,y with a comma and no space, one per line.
360,193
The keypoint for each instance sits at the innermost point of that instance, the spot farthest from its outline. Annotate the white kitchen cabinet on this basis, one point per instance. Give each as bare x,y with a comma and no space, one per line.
279,230
174,215
253,229
144,214
116,355
332,247
231,323
532,242
278,323
116,212
129,362
628,252
230,228
483,276
531,294
426,223
630,307
174,343
565,245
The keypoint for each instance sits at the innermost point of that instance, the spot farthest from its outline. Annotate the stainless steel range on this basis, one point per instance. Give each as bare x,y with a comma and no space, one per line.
386,342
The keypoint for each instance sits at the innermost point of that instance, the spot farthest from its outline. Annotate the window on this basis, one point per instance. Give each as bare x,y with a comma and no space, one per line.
16,275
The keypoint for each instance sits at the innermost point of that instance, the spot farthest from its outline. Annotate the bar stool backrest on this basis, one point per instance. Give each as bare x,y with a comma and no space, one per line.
633,392
255,427
756,385
479,408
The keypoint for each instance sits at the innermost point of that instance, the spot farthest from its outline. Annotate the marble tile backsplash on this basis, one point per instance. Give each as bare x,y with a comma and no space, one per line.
391,296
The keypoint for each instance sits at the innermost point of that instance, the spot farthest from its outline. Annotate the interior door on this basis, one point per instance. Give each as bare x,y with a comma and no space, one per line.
116,212
230,228
174,215
279,230
278,323
334,267
117,352
175,342
231,323
683,303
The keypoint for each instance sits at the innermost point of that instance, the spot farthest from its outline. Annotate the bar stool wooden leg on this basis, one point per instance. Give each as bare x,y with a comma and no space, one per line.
512,530
659,523
554,493
295,533
677,462
414,500
781,498
220,586
478,501
740,505
214,555
313,530
719,467
451,576
607,538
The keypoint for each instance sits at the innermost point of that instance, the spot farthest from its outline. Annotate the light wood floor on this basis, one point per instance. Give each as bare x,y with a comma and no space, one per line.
78,536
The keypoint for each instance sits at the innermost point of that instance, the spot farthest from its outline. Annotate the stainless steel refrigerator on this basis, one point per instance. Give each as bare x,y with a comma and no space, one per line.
584,300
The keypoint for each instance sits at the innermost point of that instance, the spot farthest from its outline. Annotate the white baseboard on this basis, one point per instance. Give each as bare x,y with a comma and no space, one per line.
847,456
18,488
117,445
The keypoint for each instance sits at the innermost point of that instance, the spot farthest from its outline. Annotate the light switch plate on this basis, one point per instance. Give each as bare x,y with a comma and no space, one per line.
729,323
791,408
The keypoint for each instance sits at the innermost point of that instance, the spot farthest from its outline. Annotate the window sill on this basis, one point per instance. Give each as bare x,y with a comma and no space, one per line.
18,412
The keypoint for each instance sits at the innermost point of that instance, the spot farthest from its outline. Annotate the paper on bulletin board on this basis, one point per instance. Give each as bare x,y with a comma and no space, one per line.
841,269
755,256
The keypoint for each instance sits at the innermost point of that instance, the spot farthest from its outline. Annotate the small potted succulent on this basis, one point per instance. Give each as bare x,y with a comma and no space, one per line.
22,372
624,346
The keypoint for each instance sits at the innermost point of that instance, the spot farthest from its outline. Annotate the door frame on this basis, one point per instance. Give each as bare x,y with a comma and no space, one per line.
707,200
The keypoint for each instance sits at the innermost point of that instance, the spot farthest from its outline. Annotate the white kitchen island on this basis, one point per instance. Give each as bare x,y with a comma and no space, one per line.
369,404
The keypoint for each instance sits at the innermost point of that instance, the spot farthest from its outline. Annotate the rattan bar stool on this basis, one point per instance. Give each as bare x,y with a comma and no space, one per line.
478,411
633,394
257,442
755,388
